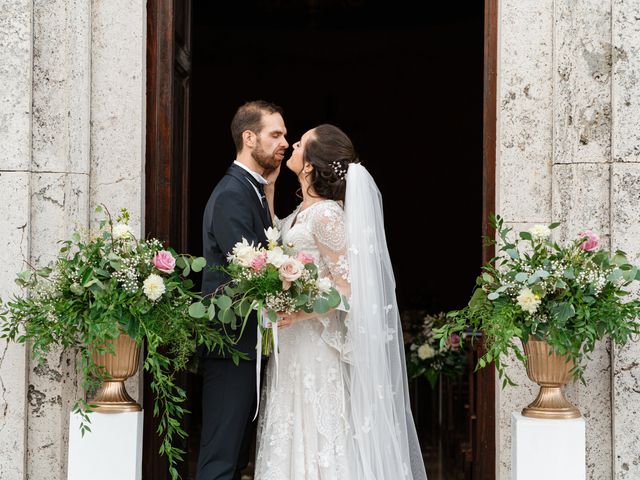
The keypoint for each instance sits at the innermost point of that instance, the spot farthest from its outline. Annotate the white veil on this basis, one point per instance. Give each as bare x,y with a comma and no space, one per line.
385,444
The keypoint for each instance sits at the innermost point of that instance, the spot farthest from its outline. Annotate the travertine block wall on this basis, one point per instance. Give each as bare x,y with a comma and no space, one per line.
568,147
72,102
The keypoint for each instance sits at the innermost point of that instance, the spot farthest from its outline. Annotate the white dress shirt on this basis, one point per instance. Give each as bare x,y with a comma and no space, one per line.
259,178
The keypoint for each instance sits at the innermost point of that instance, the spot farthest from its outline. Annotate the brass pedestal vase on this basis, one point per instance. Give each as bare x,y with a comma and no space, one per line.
551,372
112,397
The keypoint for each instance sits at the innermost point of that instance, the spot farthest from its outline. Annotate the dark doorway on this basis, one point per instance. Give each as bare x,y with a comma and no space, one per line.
405,81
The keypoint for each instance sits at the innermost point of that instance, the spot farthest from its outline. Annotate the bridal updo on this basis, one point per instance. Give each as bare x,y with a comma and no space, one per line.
330,151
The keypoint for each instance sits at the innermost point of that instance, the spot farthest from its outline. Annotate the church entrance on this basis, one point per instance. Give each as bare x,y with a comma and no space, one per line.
405,81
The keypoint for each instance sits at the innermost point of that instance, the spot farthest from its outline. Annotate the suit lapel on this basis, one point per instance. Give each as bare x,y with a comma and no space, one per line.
241,175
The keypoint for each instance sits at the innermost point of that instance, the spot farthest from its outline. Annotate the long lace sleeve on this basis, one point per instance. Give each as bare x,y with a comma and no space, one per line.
327,226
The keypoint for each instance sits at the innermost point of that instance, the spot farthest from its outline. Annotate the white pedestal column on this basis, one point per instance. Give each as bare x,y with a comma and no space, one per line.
548,449
112,449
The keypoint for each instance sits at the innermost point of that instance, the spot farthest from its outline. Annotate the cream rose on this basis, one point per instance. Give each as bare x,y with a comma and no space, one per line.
323,284
540,232
426,351
290,271
528,300
153,287
122,230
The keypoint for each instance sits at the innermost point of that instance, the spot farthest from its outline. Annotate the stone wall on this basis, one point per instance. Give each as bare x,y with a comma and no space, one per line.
72,133
568,148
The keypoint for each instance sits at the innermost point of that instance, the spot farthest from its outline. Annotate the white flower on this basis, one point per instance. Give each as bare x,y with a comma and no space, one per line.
153,287
540,232
276,257
244,252
426,351
323,284
528,300
273,235
122,230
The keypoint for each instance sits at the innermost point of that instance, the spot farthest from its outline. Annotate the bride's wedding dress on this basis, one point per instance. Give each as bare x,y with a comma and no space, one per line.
303,428
336,407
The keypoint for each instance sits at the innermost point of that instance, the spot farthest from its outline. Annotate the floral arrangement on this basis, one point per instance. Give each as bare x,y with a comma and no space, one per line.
426,357
268,280
570,296
107,283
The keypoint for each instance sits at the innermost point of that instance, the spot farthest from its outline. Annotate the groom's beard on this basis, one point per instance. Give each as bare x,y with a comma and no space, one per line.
267,161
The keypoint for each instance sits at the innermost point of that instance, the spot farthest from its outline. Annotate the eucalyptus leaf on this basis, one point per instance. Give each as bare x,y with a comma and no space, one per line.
223,302
513,253
197,310
198,264
321,305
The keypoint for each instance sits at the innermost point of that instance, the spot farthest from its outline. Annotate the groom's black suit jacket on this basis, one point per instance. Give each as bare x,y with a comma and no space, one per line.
233,211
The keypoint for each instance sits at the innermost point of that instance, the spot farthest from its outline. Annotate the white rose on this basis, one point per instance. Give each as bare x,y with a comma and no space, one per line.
244,252
426,351
153,287
273,235
323,284
540,232
528,300
122,230
276,257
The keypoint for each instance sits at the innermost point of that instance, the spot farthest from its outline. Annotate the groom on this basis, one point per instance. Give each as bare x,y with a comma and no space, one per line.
241,205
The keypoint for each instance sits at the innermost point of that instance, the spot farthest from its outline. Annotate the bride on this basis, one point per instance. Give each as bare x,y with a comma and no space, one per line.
336,406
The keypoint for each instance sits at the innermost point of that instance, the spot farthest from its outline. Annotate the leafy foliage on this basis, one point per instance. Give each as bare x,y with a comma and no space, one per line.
426,357
110,283
570,296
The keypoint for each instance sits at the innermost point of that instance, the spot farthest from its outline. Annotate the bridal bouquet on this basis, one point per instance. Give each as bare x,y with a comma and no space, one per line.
568,295
425,355
268,280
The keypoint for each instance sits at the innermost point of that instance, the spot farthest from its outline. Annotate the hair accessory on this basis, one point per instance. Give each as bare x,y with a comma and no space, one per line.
339,169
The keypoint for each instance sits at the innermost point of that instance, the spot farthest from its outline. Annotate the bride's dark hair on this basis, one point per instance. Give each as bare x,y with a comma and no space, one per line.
330,151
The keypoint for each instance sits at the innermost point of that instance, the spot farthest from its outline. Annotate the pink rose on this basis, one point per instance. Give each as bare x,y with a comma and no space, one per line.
454,341
290,271
304,258
591,243
164,261
259,261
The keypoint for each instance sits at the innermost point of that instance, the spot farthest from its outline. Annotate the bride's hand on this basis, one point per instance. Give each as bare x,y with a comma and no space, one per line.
286,319
271,177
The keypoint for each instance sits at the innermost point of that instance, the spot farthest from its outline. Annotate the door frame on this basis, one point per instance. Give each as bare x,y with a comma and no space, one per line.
158,177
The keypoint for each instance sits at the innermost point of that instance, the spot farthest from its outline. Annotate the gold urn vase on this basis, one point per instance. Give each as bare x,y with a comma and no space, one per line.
112,397
551,371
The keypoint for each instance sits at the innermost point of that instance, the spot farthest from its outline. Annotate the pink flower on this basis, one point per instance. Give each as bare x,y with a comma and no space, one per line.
304,258
591,243
259,261
454,341
164,261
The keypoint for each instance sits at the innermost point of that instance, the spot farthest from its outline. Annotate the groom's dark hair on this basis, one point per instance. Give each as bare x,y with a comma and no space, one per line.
249,117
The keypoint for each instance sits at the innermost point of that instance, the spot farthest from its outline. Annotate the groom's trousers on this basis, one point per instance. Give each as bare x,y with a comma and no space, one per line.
228,407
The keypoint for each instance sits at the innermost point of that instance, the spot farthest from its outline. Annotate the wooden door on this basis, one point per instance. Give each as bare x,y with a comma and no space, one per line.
167,172
167,169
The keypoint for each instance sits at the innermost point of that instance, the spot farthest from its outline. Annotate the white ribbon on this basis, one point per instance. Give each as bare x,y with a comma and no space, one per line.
264,320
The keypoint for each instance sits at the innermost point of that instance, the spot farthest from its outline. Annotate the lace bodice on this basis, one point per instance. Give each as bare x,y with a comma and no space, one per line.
319,230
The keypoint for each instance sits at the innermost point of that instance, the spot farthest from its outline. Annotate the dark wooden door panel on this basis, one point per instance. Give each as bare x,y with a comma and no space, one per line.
167,167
